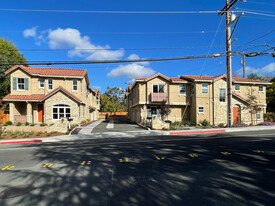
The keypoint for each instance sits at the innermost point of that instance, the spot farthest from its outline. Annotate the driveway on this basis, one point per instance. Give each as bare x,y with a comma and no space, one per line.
110,126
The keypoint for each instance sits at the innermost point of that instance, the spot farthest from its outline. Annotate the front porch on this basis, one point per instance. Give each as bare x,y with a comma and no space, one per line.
30,112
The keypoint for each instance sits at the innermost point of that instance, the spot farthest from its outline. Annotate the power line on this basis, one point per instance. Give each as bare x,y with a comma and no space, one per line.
260,37
128,60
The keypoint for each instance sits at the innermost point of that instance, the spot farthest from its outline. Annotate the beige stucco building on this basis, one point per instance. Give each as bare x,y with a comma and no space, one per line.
195,98
46,95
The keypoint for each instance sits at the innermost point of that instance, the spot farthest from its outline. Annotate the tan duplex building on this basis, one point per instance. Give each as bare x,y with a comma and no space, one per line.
46,95
194,98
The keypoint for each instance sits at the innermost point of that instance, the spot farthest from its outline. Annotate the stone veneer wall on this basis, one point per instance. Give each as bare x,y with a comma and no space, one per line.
60,98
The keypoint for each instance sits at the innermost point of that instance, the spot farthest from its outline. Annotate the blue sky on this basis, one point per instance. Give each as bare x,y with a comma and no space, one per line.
74,31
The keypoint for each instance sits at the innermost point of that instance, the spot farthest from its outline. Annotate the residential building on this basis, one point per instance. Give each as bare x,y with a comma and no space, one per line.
50,94
195,98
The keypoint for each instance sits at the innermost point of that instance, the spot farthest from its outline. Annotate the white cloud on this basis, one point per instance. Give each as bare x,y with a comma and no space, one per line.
30,32
81,45
268,69
96,87
131,71
135,56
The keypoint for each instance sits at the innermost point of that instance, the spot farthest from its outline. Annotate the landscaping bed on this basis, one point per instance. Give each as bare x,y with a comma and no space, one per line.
10,135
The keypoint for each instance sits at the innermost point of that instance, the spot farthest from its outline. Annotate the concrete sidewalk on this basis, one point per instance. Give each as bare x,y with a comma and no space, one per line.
134,134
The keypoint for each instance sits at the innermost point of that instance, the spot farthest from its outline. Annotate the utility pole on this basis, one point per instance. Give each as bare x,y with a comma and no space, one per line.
243,63
226,10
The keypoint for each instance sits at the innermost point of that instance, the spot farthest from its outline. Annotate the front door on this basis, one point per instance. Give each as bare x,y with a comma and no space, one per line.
235,115
40,112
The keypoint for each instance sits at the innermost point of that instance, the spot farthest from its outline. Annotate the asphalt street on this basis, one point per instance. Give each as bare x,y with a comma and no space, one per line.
212,169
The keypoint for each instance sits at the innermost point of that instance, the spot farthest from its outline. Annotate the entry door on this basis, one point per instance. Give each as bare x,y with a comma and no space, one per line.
40,112
235,115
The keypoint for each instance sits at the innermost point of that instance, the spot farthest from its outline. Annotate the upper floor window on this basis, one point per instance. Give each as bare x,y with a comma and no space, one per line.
158,88
50,84
182,89
222,95
74,85
41,83
21,83
204,88
237,87
261,88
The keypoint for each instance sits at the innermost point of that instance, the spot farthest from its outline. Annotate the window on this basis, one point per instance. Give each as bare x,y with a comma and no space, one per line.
50,84
182,89
222,95
261,88
41,83
237,87
158,88
258,115
204,88
201,109
74,85
21,83
61,111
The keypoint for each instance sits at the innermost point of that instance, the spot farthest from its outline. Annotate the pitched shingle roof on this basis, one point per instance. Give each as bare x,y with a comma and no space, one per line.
49,71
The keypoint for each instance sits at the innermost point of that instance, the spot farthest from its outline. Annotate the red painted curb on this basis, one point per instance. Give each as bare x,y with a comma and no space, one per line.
73,130
21,142
197,132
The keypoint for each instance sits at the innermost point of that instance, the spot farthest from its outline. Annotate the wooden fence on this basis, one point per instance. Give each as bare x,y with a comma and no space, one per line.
4,116
102,115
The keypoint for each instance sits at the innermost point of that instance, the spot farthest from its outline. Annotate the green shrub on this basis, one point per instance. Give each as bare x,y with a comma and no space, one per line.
5,124
221,125
8,123
43,124
83,122
10,132
88,120
51,124
48,134
14,136
205,123
32,132
27,123
31,125
53,132
19,124
17,132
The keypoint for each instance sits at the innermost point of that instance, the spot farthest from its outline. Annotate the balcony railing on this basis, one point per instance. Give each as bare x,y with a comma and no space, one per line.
158,97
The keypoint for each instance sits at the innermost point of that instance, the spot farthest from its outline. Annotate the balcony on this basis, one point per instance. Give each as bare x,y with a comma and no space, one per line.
158,97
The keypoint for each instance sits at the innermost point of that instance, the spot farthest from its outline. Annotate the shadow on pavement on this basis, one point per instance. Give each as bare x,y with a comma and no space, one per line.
152,173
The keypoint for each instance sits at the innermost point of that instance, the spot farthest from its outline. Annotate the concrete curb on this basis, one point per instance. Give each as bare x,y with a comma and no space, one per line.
143,127
132,134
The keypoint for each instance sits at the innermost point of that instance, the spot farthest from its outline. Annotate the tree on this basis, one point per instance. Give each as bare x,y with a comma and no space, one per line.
252,105
8,54
113,100
164,109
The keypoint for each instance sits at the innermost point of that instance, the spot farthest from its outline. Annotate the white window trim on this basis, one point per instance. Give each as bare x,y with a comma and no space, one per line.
20,83
207,88
257,115
49,84
158,87
76,85
224,95
40,83
239,87
185,90
199,110
53,106
259,89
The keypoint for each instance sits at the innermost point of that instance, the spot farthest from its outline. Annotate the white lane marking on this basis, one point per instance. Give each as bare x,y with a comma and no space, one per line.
110,125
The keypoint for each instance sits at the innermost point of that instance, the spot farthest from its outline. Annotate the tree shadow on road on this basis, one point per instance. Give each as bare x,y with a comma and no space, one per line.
190,172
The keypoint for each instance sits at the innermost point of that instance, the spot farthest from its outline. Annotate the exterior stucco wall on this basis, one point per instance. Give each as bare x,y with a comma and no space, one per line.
220,108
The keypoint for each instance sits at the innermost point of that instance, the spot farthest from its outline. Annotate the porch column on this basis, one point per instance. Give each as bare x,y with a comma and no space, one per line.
11,105
29,112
